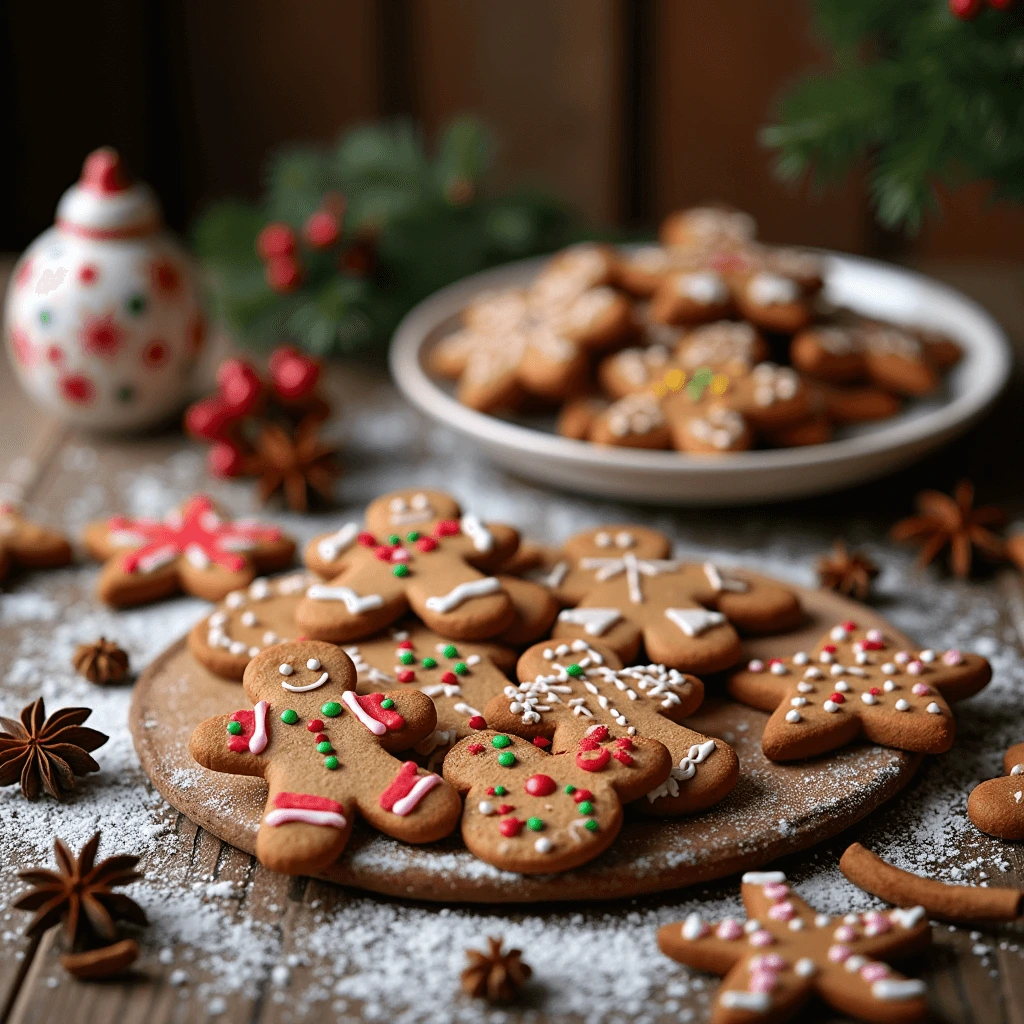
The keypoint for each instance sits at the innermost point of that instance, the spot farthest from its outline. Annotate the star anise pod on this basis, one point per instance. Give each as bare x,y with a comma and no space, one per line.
953,522
293,463
79,894
494,975
47,752
847,572
101,662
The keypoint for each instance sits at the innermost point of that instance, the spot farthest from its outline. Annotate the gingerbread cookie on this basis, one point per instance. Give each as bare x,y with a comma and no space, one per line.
997,806
785,952
567,688
459,678
624,588
193,549
856,683
29,545
535,341
636,421
246,621
326,754
538,813
417,550
707,227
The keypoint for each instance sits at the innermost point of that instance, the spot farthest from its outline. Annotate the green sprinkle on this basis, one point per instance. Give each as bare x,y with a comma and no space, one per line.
591,825
323,747
394,539
407,657
461,668
330,763
234,728
500,791
430,662
45,316
387,703
501,742
289,717
331,709
414,536
126,393
535,824
450,651
570,790
506,759
135,304
586,807
400,570
574,670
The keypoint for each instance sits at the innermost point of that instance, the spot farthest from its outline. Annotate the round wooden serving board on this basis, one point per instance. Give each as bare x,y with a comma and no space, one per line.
774,810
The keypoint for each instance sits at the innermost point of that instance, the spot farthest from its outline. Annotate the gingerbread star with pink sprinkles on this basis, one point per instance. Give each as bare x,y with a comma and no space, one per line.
193,548
855,683
785,952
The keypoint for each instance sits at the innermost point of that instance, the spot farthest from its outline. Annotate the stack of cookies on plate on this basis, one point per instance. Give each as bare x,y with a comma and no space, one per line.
708,343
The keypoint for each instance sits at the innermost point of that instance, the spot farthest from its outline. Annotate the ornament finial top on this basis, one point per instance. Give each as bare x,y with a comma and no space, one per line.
104,172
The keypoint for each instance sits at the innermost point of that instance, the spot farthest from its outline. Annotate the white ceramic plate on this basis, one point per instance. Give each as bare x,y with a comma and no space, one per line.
670,477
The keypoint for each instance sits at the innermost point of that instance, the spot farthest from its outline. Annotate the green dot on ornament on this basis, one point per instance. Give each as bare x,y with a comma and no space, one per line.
501,742
387,703
570,790
289,717
414,536
323,747
394,539
135,304
330,763
450,651
500,791
430,662
590,825
586,807
574,670
331,709
407,657
535,824
506,759
125,394
45,316
400,570
461,668
234,728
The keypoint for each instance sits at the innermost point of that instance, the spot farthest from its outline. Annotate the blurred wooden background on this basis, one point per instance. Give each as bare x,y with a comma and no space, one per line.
626,108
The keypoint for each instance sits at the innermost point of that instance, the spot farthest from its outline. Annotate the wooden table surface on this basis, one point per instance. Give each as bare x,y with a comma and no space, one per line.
232,941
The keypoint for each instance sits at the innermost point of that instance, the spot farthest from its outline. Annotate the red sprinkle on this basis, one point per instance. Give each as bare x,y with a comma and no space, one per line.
450,678
622,757
478,722
505,808
315,726
582,794
540,741
447,528
849,625
406,675
599,733
831,648
321,738
624,743
837,698
383,552
774,661
367,540
875,690
405,645
872,645
540,785
490,789
510,827
476,748
426,544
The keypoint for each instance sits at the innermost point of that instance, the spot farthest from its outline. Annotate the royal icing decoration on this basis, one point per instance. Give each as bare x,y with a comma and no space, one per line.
407,789
306,809
595,621
463,592
354,603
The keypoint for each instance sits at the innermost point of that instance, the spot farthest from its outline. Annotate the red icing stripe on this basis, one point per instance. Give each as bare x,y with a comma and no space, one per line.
308,802
388,717
240,744
400,785
590,744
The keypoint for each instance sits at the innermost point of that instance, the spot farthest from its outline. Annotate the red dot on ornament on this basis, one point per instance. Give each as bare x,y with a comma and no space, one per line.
88,273
156,353
478,722
540,785
77,388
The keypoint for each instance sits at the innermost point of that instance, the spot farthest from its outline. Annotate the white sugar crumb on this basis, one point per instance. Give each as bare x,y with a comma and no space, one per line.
315,951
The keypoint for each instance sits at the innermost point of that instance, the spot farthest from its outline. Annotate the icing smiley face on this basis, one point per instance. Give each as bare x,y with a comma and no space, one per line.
614,541
416,510
294,682
410,508
287,672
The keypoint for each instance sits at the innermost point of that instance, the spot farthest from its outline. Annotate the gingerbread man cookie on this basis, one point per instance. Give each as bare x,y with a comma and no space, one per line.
417,550
625,588
535,341
194,549
538,813
785,952
566,688
997,806
326,754
854,683
29,545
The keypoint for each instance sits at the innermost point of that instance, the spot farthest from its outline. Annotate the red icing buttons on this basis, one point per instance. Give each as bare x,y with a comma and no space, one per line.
450,678
875,691
505,808
406,675
849,625
367,540
540,785
405,645
540,741
447,528
510,827
475,748
478,722
315,725
582,794
830,648
426,544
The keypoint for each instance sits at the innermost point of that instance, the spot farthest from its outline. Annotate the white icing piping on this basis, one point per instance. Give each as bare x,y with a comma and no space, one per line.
463,592
348,698
309,686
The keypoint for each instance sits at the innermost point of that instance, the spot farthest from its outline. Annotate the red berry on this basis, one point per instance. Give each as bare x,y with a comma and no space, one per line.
478,722
224,459
283,274
207,419
293,374
275,239
240,386
965,9
321,229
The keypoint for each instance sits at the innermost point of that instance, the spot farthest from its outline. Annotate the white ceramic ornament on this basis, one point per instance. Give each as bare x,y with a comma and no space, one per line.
102,316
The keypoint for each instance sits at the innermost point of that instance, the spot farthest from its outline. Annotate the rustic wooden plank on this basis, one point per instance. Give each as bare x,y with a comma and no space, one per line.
545,76
718,69
969,224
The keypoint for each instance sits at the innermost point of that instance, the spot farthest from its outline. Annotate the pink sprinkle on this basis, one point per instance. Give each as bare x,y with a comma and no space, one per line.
875,636
920,689
901,658
877,926
756,665
953,657
763,981
874,971
729,929
773,962
762,938
399,555
776,891
838,954
782,911
844,933
915,668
